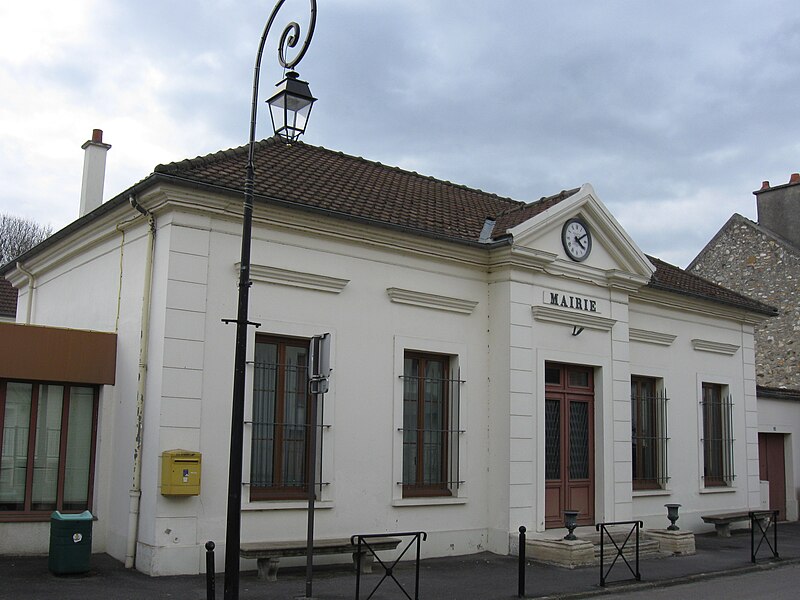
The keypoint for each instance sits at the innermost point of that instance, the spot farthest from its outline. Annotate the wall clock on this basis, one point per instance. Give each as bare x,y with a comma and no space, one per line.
577,239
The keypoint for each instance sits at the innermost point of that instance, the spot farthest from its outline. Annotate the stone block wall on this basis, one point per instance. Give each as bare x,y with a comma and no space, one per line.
749,259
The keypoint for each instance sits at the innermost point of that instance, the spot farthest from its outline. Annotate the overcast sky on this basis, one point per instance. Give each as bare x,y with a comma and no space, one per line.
675,111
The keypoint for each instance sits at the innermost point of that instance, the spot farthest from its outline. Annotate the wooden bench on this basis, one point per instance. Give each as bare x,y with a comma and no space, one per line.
722,522
268,554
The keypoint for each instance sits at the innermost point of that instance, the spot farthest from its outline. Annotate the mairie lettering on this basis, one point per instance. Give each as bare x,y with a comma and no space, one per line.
574,302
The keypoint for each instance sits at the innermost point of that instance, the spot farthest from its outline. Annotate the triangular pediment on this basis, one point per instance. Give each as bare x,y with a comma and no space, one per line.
614,258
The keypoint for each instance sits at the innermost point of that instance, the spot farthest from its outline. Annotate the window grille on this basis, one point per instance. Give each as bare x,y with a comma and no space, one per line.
281,423
431,426
649,436
717,410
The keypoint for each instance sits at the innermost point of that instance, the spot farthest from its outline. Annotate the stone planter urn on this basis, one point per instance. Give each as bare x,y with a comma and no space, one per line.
672,515
570,522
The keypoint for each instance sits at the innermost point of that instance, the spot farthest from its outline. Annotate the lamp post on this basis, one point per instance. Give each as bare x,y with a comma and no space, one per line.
290,107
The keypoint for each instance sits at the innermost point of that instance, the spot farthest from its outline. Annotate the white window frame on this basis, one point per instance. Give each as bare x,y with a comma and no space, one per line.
458,364
326,491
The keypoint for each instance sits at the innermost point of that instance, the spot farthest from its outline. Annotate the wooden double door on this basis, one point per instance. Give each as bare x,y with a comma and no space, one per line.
569,443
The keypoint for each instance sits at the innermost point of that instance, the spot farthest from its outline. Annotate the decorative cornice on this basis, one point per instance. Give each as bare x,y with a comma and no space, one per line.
565,317
715,347
426,300
629,282
310,281
520,257
651,337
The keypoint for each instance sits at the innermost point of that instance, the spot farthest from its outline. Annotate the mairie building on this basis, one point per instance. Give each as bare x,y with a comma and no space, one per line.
493,364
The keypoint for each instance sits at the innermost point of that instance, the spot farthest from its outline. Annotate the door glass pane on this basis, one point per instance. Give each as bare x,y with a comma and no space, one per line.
579,378
578,440
14,456
47,448
265,386
552,376
552,426
294,416
79,448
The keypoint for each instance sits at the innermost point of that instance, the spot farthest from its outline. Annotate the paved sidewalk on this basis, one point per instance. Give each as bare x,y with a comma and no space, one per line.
482,577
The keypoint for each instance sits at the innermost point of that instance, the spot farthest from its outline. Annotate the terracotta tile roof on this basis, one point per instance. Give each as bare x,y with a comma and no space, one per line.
313,178
523,212
348,186
674,279
8,299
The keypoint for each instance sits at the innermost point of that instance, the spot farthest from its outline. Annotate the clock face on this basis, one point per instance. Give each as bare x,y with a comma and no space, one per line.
577,239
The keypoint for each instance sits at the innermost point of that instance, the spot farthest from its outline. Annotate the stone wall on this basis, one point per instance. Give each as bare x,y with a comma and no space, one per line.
748,259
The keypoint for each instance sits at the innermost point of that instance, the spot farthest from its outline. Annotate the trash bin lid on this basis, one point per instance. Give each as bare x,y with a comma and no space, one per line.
84,516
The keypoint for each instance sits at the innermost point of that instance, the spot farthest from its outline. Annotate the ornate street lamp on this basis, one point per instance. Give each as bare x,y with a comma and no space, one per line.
290,107
292,103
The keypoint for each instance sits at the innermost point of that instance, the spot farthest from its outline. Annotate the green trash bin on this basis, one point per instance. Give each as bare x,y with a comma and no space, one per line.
70,543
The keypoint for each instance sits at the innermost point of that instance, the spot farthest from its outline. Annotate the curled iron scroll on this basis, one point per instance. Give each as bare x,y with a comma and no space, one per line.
291,36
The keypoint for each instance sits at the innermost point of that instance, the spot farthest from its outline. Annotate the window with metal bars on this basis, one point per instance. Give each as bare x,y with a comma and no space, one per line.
648,434
431,429
717,409
281,424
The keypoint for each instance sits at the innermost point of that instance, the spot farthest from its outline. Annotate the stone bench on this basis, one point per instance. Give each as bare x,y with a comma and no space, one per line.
268,554
722,522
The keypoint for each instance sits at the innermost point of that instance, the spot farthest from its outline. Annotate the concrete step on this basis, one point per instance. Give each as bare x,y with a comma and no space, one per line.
585,550
647,549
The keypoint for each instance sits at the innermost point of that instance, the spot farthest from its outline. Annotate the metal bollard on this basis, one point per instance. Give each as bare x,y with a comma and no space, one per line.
210,575
521,581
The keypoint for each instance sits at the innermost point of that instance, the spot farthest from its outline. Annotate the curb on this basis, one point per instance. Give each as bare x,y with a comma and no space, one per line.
632,586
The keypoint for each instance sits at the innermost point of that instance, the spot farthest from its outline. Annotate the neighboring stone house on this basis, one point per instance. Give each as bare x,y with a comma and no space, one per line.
762,261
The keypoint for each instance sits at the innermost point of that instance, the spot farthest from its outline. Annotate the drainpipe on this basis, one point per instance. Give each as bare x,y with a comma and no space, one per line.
29,309
136,485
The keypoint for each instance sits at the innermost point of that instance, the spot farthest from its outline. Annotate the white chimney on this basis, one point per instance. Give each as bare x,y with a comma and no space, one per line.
94,172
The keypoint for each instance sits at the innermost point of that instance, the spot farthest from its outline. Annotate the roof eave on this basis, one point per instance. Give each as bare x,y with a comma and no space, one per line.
283,203
759,308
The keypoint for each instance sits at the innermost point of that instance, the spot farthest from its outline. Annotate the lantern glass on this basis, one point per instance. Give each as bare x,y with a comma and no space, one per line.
290,107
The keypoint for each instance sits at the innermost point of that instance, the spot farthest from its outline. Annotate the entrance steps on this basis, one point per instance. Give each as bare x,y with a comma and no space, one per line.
648,547
550,547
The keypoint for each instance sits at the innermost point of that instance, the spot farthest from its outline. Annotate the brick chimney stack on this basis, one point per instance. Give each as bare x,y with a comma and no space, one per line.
779,208
94,172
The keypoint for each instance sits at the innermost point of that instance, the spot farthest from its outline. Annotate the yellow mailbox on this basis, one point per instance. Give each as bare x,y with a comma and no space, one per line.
180,473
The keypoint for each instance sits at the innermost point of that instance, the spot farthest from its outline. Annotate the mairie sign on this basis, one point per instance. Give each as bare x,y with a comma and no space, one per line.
563,300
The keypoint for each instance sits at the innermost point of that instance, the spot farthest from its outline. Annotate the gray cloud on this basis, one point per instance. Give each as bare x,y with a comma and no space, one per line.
674,111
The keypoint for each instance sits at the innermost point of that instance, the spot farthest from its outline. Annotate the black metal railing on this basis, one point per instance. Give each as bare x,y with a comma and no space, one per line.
763,519
521,574
211,593
362,544
603,529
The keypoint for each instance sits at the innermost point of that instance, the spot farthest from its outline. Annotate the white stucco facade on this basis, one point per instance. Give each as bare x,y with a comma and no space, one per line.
379,293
